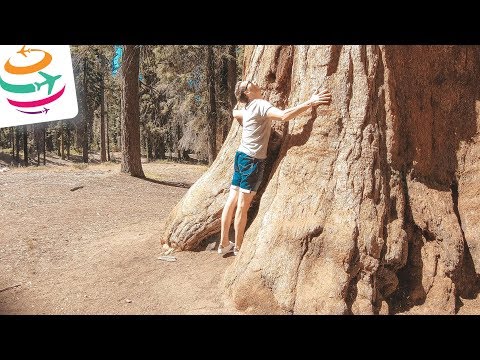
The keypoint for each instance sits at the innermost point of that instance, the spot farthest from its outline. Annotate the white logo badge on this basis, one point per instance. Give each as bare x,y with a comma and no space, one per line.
36,84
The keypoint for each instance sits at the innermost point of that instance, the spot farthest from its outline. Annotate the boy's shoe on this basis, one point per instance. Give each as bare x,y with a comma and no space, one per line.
235,250
226,249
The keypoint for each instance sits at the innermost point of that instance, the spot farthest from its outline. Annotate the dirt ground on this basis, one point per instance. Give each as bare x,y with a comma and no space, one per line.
85,239
94,250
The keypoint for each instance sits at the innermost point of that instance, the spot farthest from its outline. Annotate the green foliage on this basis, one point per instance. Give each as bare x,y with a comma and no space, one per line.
173,100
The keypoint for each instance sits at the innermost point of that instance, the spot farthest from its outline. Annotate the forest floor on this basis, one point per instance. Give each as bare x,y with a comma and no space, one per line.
85,239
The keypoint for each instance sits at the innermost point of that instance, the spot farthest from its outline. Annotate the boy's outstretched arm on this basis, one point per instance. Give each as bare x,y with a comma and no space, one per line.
319,97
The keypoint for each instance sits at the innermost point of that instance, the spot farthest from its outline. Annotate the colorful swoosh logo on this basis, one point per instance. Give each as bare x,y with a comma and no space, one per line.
36,103
33,87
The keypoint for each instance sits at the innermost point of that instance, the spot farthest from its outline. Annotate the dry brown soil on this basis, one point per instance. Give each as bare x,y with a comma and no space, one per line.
85,239
94,250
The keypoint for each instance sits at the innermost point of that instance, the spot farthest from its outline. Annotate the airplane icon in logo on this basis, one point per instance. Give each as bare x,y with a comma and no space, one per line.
49,80
23,51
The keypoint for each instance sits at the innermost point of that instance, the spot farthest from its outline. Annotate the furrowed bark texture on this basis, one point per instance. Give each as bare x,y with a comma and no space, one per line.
370,205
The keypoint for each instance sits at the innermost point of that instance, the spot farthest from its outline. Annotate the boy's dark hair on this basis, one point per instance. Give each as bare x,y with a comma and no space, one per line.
240,92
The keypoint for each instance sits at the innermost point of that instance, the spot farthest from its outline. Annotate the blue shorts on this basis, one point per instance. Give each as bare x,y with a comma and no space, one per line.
247,172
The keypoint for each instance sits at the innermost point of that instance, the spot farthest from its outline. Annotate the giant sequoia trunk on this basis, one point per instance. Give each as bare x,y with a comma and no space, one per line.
370,205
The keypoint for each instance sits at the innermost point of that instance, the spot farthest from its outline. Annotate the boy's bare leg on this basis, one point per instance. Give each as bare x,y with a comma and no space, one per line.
244,201
227,215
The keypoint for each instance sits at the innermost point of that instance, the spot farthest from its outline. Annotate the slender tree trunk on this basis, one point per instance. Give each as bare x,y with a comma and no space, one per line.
149,145
62,140
103,155
119,134
12,140
211,110
37,131
44,142
178,136
131,151
107,132
58,141
78,135
49,140
160,148
17,140
185,156
69,139
85,112
25,145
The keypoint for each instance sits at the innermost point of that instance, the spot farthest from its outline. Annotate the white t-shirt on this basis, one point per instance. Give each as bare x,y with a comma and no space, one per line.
256,129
